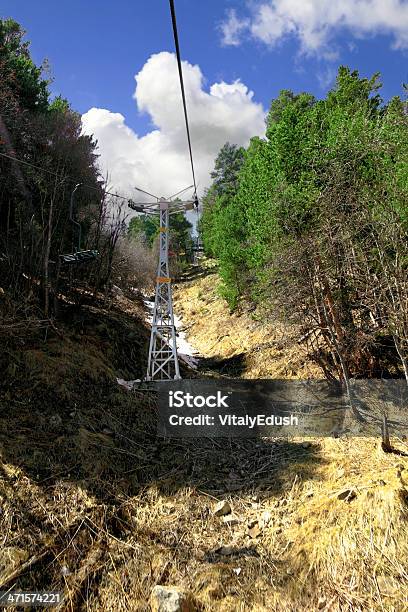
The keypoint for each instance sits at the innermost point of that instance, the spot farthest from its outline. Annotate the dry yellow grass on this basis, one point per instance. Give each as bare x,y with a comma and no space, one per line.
296,545
271,351
92,503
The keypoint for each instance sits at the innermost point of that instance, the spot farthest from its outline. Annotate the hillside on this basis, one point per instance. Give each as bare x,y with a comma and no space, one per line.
242,343
92,503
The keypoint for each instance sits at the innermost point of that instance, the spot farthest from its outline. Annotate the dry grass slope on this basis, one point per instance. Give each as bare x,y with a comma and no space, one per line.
91,502
266,350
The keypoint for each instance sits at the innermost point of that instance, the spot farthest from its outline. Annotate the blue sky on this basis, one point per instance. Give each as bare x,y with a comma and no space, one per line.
95,48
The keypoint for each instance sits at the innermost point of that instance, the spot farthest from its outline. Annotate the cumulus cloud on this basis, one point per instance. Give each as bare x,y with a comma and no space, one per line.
158,161
314,22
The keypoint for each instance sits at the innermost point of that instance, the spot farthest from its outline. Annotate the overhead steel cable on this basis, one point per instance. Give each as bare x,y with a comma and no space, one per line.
180,192
176,43
69,178
146,193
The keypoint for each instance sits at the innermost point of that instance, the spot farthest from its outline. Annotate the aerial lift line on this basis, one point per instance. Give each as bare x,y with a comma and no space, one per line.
163,360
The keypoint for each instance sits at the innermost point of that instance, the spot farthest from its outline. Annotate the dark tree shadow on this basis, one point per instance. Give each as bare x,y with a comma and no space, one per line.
233,366
109,449
194,273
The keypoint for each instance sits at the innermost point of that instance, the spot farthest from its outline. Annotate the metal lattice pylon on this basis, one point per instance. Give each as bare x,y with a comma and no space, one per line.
162,361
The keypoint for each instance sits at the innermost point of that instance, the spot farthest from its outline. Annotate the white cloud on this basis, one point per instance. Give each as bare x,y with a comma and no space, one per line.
314,22
326,77
158,162
232,28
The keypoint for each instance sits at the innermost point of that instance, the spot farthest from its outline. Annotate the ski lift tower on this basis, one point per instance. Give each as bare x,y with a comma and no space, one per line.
162,360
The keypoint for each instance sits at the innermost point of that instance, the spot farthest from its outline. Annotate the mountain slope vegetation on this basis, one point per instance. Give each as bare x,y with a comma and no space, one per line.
311,222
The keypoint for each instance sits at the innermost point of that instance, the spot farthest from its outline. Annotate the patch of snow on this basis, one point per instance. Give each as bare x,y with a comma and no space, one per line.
185,350
128,384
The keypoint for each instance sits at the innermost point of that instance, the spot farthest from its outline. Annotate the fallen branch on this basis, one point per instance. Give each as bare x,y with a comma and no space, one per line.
24,566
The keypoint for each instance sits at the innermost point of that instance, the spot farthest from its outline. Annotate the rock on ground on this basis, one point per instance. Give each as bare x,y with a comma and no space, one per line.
222,508
171,599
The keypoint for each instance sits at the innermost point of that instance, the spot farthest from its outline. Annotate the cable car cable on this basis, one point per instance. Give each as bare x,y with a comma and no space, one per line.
69,178
176,43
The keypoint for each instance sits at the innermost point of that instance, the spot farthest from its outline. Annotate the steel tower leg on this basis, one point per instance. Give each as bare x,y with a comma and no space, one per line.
163,361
